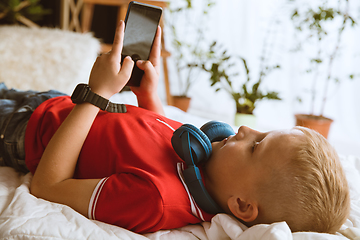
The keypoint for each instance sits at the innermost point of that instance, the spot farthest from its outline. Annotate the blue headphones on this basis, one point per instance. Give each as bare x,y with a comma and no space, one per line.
193,145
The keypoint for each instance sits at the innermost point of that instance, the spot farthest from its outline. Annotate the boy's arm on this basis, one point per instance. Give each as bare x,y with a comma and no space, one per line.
146,94
53,178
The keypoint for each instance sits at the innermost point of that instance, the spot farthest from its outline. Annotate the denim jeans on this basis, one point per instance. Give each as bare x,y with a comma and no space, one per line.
16,108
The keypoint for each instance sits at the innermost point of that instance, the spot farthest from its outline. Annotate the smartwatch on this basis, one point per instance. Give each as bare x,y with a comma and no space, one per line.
83,93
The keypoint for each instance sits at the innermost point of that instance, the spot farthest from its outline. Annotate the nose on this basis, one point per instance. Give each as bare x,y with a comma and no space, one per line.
244,131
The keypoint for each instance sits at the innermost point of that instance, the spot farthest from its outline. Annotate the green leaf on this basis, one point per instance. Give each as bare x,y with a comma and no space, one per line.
189,4
255,87
13,3
316,60
295,14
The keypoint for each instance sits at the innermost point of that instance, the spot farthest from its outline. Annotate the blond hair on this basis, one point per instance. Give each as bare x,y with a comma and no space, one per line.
310,193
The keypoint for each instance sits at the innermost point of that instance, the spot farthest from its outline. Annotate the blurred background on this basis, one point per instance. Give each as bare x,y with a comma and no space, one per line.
268,59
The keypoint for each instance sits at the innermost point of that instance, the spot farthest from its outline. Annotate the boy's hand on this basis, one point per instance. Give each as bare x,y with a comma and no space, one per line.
151,68
147,92
108,76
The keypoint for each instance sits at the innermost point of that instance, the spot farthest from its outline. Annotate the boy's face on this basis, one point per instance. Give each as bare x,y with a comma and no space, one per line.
242,161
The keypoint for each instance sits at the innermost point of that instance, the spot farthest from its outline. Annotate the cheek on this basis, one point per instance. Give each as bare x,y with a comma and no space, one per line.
215,164
227,158
223,163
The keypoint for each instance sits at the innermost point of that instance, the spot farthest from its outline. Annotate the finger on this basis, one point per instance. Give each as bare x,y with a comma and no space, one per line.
156,49
127,67
140,64
148,68
145,65
118,41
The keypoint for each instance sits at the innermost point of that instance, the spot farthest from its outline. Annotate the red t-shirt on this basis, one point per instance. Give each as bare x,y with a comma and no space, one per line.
141,187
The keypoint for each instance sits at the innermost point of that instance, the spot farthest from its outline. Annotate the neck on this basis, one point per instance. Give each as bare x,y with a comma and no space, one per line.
215,194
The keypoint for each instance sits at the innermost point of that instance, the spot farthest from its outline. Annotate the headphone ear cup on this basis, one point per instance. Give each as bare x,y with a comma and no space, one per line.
200,145
217,131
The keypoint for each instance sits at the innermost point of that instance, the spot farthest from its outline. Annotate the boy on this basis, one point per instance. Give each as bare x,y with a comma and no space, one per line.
120,168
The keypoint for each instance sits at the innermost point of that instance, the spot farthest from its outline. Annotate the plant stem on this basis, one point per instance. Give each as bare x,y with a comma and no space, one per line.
179,78
314,81
3,14
21,6
332,57
26,21
188,81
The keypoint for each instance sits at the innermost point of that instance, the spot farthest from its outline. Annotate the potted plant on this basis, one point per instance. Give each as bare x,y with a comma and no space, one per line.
314,22
22,11
190,47
245,92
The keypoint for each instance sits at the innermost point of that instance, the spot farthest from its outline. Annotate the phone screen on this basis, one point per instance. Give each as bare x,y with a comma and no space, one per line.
140,29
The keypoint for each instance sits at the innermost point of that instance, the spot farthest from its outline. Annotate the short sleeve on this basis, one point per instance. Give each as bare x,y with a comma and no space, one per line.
128,201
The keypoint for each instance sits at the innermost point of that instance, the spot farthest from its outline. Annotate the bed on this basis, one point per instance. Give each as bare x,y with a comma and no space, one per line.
23,216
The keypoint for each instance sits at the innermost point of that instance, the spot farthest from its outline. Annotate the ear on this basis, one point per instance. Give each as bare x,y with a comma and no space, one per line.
245,210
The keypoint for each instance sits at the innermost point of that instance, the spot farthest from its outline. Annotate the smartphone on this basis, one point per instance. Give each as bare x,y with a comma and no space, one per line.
141,24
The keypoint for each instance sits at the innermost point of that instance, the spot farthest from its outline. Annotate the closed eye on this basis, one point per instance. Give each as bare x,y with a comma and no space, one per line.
257,142
254,145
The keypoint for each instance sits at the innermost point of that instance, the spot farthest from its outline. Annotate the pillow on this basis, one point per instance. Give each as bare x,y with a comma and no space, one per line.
45,58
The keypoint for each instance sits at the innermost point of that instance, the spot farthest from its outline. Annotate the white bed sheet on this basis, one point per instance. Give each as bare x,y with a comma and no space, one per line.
23,216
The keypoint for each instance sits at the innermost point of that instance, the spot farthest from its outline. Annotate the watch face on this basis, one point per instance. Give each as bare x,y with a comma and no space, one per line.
83,93
79,93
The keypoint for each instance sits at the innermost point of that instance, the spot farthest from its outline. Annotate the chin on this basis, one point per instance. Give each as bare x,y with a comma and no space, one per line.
206,164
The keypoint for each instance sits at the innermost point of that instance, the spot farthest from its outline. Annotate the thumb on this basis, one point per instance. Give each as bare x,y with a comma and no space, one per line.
141,64
127,67
146,66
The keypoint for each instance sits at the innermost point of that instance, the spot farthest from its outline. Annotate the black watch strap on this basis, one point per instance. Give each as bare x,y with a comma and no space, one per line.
116,108
83,93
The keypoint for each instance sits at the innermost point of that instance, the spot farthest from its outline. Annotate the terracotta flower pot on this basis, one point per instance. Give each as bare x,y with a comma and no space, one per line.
318,123
181,102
